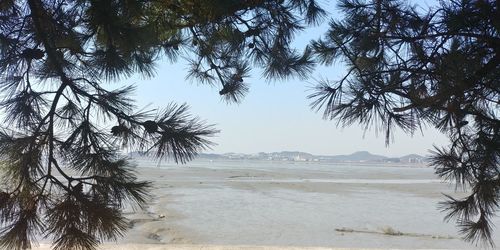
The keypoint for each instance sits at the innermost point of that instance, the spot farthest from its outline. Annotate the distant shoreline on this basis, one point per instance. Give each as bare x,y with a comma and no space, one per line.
344,163
360,157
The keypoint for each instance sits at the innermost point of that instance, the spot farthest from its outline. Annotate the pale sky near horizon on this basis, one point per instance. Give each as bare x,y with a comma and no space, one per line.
274,116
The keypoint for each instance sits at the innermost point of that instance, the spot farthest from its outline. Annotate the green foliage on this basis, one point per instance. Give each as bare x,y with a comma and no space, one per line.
55,56
408,68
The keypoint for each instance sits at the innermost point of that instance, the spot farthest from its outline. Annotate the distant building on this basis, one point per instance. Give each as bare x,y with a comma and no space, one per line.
298,158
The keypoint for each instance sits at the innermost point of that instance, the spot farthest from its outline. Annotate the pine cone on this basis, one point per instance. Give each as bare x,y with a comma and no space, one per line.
150,126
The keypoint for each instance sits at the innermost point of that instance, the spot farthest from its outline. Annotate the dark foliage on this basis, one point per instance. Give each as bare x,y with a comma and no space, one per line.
55,56
408,67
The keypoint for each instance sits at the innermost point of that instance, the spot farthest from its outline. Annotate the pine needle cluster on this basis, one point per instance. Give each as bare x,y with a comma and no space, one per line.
62,174
409,67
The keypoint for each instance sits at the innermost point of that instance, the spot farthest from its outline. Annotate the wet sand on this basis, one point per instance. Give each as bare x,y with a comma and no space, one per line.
206,247
263,205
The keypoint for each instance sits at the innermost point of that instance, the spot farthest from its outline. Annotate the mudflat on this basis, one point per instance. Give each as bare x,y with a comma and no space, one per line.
286,205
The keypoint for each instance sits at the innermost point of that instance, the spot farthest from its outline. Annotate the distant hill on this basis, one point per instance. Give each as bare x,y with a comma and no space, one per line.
360,156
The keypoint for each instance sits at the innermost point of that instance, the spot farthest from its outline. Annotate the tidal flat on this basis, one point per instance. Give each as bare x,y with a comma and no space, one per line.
294,204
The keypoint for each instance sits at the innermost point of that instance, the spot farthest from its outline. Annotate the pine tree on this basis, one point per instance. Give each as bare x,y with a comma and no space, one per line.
63,176
407,68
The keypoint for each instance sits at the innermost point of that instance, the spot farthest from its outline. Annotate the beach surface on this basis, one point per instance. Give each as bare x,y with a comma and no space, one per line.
206,247
290,205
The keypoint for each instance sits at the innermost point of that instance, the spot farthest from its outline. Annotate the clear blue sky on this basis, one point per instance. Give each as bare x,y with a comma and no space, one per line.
275,115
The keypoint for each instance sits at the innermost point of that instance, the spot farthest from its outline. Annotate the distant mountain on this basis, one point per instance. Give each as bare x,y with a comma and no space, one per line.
360,156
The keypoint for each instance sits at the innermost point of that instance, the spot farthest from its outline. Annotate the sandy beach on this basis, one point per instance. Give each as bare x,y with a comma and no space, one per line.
274,205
